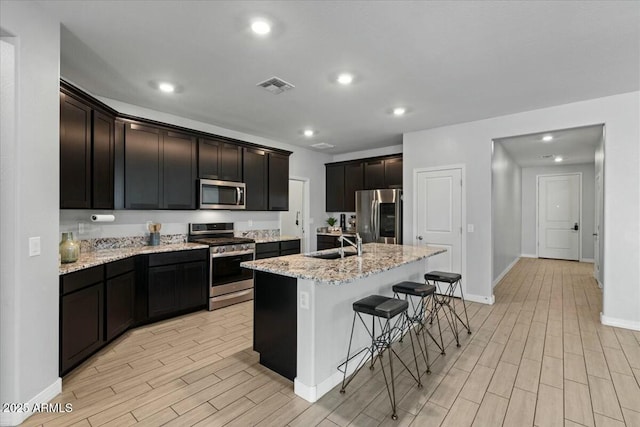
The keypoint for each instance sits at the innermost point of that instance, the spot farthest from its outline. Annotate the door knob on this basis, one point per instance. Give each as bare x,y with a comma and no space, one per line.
419,237
595,234
576,227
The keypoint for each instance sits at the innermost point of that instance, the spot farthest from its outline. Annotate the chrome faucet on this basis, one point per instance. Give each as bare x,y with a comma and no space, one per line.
357,244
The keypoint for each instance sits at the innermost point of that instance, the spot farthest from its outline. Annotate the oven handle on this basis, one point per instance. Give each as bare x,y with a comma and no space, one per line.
231,254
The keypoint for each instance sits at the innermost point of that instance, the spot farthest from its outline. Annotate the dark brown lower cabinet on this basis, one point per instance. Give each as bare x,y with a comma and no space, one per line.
177,282
120,303
327,242
81,325
275,249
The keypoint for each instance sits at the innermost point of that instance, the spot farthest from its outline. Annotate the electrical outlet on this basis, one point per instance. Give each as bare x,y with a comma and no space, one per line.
81,228
250,223
470,228
304,300
34,246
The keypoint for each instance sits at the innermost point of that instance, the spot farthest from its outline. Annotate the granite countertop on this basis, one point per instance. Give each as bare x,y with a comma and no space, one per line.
376,258
346,233
94,258
275,239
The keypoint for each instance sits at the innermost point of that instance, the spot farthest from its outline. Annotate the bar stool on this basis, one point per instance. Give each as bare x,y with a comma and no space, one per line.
419,314
382,308
441,300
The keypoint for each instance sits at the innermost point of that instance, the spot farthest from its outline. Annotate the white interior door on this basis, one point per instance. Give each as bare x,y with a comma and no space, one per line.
559,216
439,216
292,221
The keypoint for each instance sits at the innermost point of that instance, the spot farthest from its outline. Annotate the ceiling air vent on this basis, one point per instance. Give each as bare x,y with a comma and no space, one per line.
322,145
275,85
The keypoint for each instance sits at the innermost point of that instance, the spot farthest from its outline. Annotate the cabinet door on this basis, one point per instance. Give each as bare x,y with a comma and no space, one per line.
103,160
230,162
120,294
393,173
353,181
327,242
143,167
163,290
374,175
335,192
255,178
75,153
278,182
209,158
192,290
81,325
178,171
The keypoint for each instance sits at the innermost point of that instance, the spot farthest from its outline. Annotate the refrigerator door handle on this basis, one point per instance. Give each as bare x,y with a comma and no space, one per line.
376,221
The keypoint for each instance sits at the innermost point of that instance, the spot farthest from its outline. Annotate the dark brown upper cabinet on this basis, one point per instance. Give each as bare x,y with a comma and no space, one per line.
353,181
75,153
219,160
278,182
256,176
343,179
374,174
160,168
334,188
393,173
86,155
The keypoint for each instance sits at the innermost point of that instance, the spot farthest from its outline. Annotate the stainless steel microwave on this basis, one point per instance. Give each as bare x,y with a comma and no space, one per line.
216,194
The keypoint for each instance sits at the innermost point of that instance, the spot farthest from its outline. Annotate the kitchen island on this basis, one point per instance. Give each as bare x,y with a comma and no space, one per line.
303,308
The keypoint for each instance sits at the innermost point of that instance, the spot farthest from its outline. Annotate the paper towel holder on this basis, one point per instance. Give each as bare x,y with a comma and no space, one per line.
102,218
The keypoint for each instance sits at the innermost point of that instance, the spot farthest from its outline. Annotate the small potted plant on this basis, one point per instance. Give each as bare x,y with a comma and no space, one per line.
332,222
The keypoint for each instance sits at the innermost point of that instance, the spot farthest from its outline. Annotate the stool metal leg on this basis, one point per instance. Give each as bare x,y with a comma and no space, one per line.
464,305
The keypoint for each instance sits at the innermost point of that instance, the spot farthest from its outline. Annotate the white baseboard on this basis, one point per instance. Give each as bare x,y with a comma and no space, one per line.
16,418
528,256
313,393
504,272
619,323
590,260
481,299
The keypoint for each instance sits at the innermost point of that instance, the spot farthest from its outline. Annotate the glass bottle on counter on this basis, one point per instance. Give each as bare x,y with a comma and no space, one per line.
69,249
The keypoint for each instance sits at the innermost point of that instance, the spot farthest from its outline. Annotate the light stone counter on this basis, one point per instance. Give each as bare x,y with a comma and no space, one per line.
376,258
104,256
271,239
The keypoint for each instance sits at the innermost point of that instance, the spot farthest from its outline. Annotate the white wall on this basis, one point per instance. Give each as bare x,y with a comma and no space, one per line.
529,184
29,329
374,152
599,170
507,215
303,163
470,143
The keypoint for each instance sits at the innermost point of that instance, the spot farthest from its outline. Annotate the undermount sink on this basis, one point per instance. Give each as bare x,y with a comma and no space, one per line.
330,255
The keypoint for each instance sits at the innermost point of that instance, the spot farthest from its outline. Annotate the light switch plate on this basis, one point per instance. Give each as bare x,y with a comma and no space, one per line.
34,246
470,228
304,300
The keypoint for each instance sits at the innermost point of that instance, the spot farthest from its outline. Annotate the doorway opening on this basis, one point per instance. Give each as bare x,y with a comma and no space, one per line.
294,222
547,197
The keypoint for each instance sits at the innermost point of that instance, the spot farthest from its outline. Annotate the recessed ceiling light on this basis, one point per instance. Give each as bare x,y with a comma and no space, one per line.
399,111
309,133
558,159
166,87
261,27
547,138
345,78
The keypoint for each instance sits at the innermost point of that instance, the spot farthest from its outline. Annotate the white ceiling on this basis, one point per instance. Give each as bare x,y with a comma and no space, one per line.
447,62
575,146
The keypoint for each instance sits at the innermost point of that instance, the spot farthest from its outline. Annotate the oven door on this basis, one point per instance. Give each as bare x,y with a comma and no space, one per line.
225,268
221,194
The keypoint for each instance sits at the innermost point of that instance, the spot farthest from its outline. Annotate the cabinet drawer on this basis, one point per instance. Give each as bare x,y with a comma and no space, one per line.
177,257
122,266
290,245
268,247
263,255
81,279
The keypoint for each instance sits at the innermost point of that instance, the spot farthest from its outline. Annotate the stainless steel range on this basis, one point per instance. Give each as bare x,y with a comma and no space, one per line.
228,282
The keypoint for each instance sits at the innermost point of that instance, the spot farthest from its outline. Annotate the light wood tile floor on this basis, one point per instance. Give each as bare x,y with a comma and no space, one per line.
538,356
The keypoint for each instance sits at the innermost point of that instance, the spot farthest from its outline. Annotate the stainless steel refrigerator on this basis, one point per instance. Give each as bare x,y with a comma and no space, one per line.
379,216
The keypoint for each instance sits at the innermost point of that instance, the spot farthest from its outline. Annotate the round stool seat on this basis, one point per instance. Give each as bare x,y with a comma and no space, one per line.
441,276
414,288
380,306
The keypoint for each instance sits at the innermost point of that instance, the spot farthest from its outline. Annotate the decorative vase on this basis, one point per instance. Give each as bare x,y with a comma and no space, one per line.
69,249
